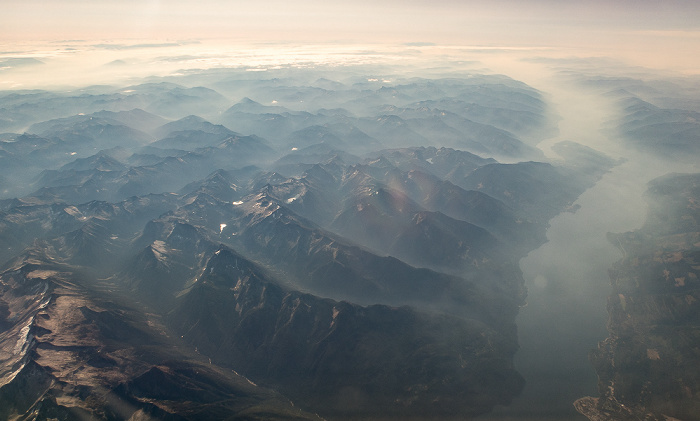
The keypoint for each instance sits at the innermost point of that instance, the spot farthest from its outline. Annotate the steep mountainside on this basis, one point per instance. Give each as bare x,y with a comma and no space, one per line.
174,252
340,358
70,349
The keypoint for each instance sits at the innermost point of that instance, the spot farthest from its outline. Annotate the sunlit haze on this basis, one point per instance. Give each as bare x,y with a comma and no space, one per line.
78,36
339,210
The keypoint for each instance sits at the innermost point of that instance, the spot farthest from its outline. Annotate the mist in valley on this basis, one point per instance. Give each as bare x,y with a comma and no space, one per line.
567,277
347,230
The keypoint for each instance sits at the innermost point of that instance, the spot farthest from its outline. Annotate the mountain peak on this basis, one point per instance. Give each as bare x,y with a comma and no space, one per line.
249,101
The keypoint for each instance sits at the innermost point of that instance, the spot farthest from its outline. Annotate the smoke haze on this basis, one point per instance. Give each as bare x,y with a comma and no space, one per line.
585,58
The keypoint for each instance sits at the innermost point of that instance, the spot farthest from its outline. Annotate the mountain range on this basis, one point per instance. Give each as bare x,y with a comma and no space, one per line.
326,250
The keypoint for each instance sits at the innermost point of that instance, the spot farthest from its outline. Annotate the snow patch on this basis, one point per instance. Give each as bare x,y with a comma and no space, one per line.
335,315
24,337
159,250
159,245
221,227
73,211
12,375
291,199
42,274
240,202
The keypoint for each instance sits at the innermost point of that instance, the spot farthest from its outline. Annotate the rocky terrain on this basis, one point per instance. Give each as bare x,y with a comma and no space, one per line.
169,253
649,366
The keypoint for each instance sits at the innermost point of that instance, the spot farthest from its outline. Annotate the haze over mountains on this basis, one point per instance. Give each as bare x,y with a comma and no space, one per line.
298,245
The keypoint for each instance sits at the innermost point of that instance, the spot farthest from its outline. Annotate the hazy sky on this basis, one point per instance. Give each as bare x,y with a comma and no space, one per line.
656,31
429,20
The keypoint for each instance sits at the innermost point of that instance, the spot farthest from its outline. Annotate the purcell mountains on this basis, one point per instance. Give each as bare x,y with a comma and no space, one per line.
170,254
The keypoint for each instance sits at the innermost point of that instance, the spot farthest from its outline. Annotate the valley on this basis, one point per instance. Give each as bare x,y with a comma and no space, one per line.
217,245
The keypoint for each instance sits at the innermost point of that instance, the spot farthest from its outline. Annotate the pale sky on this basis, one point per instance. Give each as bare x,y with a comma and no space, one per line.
362,20
661,32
